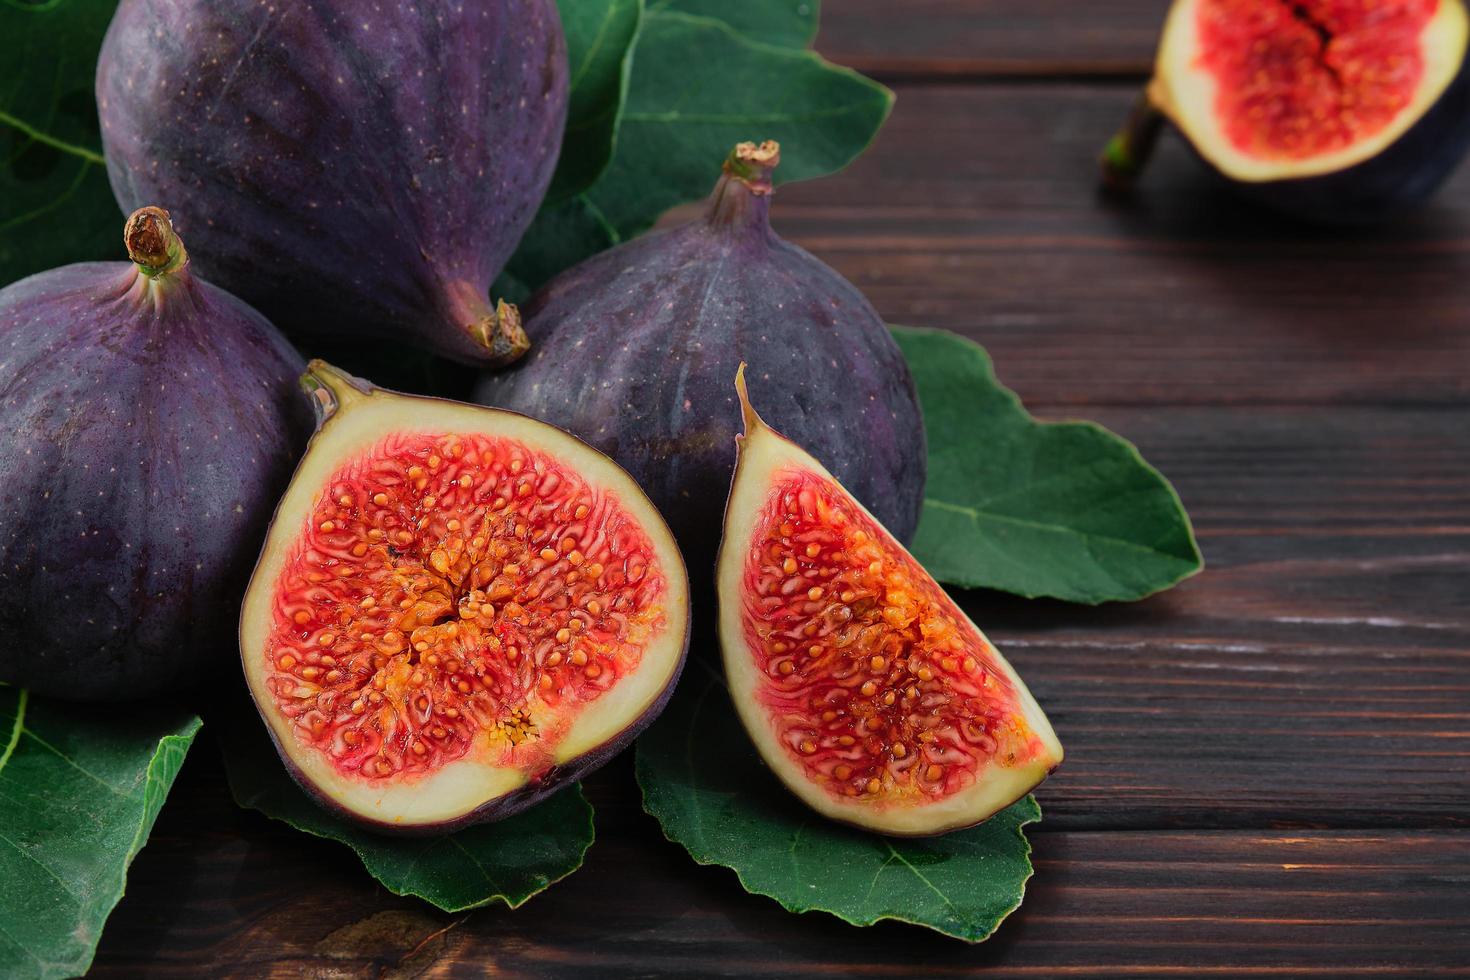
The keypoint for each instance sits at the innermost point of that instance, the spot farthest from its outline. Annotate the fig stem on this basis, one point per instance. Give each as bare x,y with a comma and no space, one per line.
152,243
331,389
752,165
742,196
1128,152
503,336
747,411
496,332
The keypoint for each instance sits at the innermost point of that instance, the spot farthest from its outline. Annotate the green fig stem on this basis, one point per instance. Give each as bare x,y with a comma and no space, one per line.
742,195
332,389
1128,152
752,165
152,243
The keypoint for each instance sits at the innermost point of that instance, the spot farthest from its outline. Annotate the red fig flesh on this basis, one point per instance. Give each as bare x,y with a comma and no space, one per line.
865,688
458,610
1269,88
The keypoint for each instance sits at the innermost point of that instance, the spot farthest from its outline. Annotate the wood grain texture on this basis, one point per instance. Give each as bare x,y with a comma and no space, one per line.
977,210
231,895
1316,674
938,38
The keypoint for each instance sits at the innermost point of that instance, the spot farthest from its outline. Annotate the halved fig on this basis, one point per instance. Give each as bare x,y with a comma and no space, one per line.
457,610
1338,110
865,688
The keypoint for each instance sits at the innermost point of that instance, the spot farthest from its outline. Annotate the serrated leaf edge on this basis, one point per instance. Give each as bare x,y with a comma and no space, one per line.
181,740
251,804
1034,816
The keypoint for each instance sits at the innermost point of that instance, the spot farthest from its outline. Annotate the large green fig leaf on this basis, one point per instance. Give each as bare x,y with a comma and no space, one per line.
600,36
508,861
561,236
790,23
55,203
1062,509
80,788
704,782
699,87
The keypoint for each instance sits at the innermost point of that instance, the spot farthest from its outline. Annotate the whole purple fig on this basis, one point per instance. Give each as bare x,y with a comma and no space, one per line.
635,351
353,170
151,422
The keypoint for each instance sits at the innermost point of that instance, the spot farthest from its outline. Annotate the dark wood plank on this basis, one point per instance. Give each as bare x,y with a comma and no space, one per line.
977,210
971,37
220,892
1318,671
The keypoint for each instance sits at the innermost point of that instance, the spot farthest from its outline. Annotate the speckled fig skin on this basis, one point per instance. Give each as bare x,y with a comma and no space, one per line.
151,421
386,158
634,350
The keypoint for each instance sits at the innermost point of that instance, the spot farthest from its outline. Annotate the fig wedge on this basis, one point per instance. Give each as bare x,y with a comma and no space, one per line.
865,688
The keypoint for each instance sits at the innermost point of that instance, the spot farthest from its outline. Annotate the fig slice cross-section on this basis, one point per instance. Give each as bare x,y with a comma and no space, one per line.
457,611
865,688
1273,88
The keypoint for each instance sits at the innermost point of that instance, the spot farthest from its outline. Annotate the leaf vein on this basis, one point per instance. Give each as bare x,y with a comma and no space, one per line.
977,516
742,119
879,873
592,49
925,879
490,879
91,156
42,865
73,763
16,728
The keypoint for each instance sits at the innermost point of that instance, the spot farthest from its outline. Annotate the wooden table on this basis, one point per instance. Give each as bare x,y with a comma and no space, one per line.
1268,768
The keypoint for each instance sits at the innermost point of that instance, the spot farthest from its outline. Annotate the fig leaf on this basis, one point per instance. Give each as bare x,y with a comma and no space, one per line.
600,37
704,782
789,23
55,203
1061,509
699,87
561,236
80,788
508,861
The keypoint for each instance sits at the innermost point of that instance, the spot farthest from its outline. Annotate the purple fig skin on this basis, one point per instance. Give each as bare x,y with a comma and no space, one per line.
151,421
634,351
355,171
